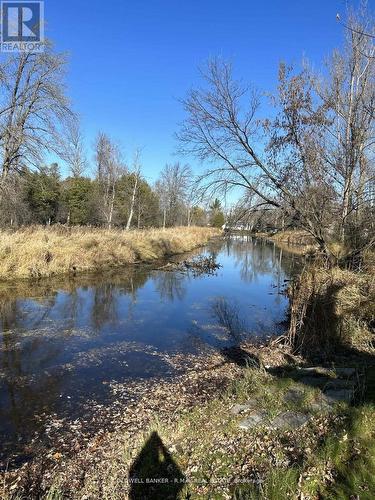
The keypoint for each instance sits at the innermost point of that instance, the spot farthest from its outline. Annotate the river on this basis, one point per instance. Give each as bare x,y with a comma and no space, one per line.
65,343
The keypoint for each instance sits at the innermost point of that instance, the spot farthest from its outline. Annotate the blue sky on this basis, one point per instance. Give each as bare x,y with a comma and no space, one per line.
130,62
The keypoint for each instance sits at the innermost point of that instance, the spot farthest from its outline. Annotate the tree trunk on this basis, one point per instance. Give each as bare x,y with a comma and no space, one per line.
132,204
164,217
111,209
139,217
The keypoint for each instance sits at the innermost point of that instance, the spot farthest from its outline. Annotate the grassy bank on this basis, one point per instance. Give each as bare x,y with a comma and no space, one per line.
189,432
333,311
294,237
294,241
35,252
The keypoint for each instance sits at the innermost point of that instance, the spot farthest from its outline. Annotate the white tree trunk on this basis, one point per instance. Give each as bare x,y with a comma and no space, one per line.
132,203
110,217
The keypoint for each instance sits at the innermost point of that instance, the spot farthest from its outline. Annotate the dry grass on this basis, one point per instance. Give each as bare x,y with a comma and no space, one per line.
294,237
332,308
294,241
331,457
38,251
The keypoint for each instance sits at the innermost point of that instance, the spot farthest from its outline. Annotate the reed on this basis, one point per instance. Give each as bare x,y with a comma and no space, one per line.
37,251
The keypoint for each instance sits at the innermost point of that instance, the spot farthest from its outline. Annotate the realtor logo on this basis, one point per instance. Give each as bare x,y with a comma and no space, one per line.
22,26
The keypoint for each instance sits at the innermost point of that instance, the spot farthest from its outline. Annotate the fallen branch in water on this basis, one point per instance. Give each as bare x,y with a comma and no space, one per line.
198,266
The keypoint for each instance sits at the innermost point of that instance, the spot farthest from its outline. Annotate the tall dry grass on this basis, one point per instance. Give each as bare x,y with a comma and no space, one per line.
37,251
294,237
332,309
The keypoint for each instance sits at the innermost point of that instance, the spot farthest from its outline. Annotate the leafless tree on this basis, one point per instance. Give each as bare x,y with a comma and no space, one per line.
110,167
349,97
219,131
137,174
72,149
173,188
312,161
14,210
32,106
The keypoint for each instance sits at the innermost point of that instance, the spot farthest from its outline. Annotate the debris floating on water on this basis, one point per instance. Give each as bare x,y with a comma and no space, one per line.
198,266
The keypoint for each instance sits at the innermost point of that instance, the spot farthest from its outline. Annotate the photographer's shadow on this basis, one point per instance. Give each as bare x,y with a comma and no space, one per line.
154,474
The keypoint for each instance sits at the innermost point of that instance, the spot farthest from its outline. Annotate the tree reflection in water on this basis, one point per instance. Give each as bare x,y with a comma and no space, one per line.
228,316
62,341
170,285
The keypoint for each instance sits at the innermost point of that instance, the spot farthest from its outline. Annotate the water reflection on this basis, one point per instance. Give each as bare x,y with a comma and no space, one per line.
171,286
228,316
63,342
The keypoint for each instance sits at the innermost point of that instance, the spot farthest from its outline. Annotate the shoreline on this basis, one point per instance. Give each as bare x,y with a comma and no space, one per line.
203,377
38,252
195,416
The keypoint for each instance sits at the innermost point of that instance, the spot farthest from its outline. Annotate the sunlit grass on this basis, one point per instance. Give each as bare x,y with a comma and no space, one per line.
330,457
38,251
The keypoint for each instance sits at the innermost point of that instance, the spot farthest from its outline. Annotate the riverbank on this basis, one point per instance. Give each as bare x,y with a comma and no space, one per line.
295,241
332,310
275,429
202,436
294,237
254,421
36,252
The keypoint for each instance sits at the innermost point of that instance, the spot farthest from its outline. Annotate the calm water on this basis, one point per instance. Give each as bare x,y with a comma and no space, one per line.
63,343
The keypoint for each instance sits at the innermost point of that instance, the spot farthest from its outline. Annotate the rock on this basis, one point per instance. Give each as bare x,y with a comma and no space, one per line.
340,384
242,408
345,372
339,395
294,395
289,420
253,420
315,371
315,381
321,404
320,371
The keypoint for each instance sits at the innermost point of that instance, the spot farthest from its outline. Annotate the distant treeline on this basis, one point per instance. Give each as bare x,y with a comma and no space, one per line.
37,121
43,196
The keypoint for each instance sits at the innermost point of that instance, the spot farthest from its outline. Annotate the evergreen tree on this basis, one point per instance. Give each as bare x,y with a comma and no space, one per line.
77,199
43,194
217,218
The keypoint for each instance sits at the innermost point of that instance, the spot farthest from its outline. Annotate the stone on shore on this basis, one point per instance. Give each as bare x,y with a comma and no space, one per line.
253,420
339,395
237,409
289,420
294,395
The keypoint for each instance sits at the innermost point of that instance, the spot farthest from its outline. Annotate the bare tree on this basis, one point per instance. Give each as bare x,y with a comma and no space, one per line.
32,106
317,158
349,95
110,167
137,173
173,188
72,149
218,131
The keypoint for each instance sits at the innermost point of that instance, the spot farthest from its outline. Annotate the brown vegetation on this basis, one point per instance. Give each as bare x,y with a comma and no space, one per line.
37,251
190,422
333,309
294,237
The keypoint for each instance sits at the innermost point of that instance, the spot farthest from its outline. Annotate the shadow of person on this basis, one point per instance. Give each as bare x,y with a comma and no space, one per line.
154,474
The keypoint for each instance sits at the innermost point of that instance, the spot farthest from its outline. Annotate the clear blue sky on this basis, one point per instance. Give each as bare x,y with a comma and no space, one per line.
130,61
